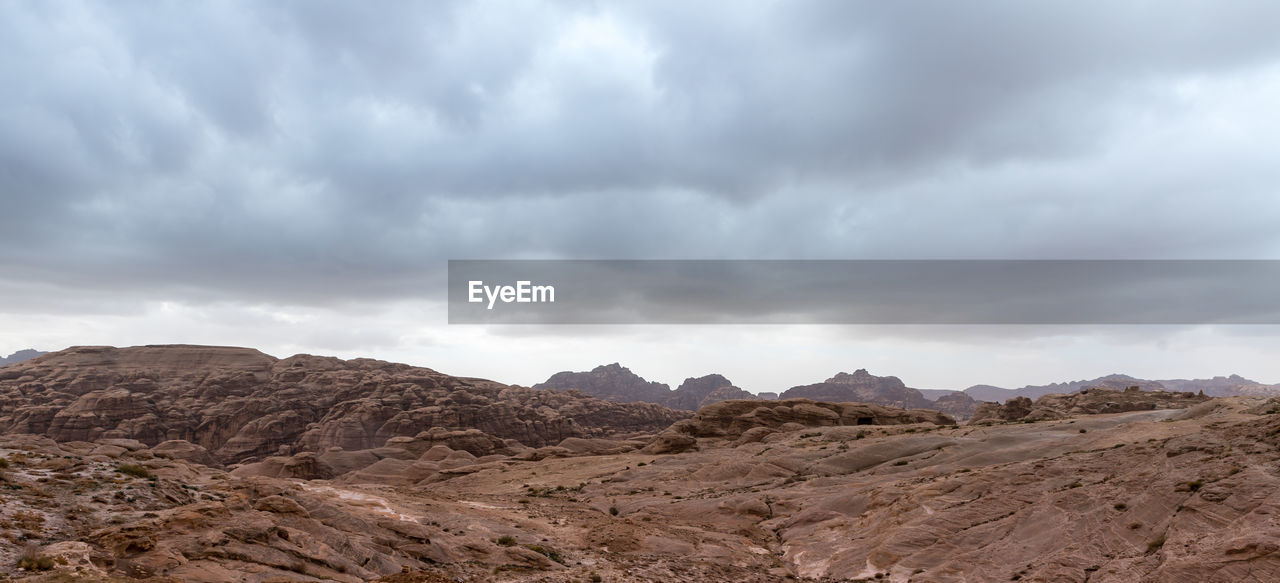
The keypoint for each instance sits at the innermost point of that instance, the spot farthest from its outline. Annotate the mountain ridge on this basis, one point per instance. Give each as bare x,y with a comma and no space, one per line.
21,356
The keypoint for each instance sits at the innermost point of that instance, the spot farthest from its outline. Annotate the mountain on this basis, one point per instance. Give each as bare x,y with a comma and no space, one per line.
1113,381
355,471
1214,387
933,394
1230,386
617,383
611,382
20,356
990,393
759,491
864,387
1090,401
240,404
693,394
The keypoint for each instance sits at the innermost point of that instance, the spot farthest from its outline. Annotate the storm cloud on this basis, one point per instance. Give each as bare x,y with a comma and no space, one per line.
336,155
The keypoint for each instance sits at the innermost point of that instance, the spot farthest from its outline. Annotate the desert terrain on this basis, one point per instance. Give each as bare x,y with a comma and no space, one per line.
188,463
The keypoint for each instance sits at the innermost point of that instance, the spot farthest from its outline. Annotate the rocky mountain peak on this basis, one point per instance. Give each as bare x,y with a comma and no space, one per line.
862,387
858,377
20,356
612,382
695,393
615,382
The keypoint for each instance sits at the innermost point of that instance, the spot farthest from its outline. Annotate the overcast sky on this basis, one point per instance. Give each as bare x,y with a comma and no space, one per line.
293,176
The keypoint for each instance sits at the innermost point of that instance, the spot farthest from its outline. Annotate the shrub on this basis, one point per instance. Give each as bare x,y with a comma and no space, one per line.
32,560
547,552
506,541
1155,544
596,578
1120,506
1083,430
613,510
900,463
4,462
134,470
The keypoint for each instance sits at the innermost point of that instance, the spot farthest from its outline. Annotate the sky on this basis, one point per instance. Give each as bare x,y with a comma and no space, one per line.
294,176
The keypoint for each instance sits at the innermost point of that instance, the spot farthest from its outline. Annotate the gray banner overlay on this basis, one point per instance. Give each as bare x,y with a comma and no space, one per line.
865,292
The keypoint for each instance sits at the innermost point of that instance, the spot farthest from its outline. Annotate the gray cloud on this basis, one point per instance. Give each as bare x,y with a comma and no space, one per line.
321,153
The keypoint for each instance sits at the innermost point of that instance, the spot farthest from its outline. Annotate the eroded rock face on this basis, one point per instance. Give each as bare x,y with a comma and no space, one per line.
612,382
1138,496
748,420
1086,402
861,387
239,403
957,404
695,393
615,382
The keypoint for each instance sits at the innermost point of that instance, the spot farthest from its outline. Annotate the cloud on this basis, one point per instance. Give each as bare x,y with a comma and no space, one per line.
321,155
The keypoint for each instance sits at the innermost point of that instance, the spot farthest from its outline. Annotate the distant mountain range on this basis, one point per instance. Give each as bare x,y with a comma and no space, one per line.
614,382
20,356
617,383
1230,386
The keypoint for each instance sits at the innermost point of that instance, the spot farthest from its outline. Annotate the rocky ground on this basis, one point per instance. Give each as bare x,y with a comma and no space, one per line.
791,490
1167,495
240,404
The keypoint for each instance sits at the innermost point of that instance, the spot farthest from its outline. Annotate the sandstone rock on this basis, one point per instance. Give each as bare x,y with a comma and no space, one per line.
731,419
617,383
397,472
341,462
695,393
280,505
671,442
436,453
111,451
183,450
1086,402
580,446
473,441
861,387
239,404
956,404
305,466
612,382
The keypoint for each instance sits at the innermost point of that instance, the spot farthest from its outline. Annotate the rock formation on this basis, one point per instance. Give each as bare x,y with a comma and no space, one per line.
611,382
615,382
1085,402
862,387
21,356
240,404
1228,386
744,490
733,419
695,393
957,404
